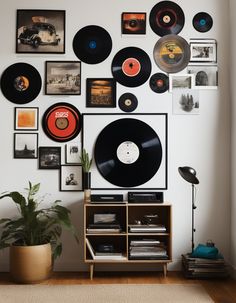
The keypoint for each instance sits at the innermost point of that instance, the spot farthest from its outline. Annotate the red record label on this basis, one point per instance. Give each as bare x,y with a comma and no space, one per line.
62,122
131,67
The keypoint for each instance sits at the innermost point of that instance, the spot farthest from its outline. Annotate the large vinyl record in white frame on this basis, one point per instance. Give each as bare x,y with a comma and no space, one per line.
129,150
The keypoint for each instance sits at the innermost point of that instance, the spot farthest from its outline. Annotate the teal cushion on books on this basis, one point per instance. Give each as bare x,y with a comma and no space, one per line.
204,251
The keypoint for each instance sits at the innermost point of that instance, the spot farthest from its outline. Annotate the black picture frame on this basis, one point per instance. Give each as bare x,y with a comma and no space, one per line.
133,23
101,92
26,145
26,118
62,78
66,172
40,31
159,123
49,157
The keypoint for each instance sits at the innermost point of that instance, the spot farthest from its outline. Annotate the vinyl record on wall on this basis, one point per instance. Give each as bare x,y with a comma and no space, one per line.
159,83
202,22
131,66
62,122
21,83
128,102
171,53
132,156
166,17
92,44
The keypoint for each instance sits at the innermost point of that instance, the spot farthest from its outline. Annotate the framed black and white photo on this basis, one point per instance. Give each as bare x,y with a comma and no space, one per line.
40,31
101,92
26,145
63,78
49,157
205,76
73,151
203,51
181,81
185,101
26,118
71,178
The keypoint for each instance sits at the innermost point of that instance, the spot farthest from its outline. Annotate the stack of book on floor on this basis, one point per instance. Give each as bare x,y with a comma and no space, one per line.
98,255
148,228
147,249
204,268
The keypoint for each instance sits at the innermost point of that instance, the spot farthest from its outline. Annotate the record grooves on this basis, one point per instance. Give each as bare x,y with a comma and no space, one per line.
132,156
62,122
21,83
166,17
131,66
202,22
92,44
159,83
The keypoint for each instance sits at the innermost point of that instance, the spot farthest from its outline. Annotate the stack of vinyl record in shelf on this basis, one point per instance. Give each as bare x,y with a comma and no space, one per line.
204,268
147,249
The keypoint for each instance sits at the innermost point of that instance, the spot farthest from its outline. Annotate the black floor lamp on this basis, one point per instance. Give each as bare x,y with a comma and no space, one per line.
189,175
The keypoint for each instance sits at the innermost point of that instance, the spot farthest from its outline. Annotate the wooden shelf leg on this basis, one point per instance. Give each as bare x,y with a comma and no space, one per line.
165,269
91,268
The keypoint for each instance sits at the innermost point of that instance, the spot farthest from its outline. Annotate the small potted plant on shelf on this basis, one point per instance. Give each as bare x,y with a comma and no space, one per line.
86,163
34,236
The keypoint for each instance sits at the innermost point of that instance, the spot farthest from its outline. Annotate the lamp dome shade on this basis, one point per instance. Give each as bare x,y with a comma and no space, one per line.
189,174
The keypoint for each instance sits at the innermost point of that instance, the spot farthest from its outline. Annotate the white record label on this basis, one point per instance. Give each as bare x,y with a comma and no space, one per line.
127,152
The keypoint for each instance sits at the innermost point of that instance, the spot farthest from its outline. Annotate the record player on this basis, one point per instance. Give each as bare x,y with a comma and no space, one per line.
145,197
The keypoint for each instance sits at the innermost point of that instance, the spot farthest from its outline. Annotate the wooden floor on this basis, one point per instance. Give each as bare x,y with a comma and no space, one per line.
221,291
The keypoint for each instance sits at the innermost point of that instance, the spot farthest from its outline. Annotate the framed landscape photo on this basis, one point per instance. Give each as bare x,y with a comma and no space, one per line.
133,23
26,118
181,81
63,78
40,31
26,145
73,151
71,178
49,157
101,92
185,101
203,51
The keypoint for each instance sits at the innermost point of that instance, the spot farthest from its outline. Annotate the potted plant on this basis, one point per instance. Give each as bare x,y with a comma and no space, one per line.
34,236
86,163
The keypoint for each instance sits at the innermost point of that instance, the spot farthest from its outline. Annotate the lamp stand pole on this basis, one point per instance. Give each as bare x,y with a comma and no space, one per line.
193,208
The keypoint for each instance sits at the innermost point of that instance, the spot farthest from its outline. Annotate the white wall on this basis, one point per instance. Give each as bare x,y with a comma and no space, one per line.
201,141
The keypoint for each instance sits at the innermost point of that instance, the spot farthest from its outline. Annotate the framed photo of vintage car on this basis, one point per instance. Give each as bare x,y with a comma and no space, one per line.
63,78
101,92
40,31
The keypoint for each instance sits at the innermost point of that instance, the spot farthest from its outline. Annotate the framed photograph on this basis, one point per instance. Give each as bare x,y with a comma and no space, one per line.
101,92
205,76
181,81
203,51
133,23
185,101
26,145
63,78
40,31
120,152
26,118
73,151
71,178
49,157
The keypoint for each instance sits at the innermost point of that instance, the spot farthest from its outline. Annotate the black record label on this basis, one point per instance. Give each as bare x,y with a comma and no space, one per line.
166,17
171,53
131,66
202,22
128,102
62,122
92,44
159,83
21,83
132,156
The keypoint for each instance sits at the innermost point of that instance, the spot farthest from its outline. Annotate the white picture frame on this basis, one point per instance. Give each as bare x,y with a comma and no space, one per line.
181,81
72,153
206,76
185,101
203,51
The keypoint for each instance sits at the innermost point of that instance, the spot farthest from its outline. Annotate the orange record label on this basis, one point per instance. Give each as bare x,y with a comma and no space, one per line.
131,67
